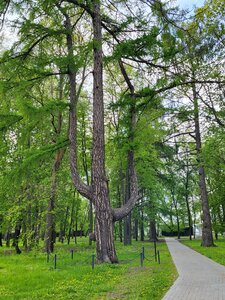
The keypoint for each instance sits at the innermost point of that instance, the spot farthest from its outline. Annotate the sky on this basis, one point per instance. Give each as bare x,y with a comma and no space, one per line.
10,36
189,4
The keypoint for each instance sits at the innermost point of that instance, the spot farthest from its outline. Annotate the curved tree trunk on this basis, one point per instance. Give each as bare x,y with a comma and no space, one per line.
98,191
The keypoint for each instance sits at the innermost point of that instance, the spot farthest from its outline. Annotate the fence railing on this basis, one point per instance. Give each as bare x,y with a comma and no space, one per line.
90,260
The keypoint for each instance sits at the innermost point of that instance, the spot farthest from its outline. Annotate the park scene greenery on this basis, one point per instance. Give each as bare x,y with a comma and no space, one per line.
112,136
75,278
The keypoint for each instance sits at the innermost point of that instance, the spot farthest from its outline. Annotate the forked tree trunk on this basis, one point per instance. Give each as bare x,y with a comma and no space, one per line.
207,237
98,192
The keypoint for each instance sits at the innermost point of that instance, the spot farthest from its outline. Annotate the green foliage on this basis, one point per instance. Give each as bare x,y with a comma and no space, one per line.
138,47
159,53
6,121
33,156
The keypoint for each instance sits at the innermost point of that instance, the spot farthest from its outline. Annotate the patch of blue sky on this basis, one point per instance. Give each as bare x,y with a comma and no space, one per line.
189,4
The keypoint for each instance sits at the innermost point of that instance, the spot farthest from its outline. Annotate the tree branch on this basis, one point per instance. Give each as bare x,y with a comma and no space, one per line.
122,212
82,188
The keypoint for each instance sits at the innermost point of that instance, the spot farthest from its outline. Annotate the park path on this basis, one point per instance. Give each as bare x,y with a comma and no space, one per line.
200,278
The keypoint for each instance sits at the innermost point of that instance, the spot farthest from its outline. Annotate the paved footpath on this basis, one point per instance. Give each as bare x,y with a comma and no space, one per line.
200,278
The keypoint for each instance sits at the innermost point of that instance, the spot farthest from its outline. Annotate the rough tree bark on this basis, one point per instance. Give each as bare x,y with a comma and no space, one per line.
98,192
207,238
104,219
152,231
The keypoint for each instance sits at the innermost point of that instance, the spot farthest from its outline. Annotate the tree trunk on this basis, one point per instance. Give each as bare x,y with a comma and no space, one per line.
25,232
71,220
136,229
98,191
187,203
120,197
30,236
37,226
127,220
223,210
76,229
171,217
64,228
85,167
103,215
207,237
152,231
50,223
177,215
142,233
16,238
194,217
7,238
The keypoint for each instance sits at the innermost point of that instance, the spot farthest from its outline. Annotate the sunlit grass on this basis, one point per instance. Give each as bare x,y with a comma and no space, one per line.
30,276
216,253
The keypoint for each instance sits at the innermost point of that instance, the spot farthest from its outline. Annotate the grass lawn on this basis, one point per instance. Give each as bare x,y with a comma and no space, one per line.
216,253
30,276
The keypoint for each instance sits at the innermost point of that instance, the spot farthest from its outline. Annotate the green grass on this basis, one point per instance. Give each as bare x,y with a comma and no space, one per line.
216,253
30,276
